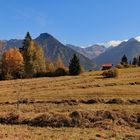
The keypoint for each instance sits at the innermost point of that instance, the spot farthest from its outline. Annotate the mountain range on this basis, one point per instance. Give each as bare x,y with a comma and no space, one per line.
100,53
130,48
112,51
91,51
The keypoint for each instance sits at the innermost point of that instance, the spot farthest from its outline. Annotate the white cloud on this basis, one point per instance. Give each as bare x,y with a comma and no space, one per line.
112,43
137,38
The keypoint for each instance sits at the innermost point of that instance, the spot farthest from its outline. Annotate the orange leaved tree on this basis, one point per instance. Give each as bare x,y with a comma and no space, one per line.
12,64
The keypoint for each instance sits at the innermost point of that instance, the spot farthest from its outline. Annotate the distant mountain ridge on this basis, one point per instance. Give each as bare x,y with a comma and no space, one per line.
90,51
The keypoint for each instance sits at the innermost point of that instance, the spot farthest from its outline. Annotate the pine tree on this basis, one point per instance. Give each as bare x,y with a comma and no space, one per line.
134,62
124,60
26,42
74,66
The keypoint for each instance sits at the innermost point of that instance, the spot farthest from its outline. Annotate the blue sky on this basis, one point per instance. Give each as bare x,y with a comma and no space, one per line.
79,22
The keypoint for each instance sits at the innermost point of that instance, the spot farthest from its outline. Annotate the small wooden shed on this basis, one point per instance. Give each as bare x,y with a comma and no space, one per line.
107,66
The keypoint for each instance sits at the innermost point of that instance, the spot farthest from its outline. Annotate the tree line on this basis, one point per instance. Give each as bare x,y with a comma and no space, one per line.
135,61
29,61
126,64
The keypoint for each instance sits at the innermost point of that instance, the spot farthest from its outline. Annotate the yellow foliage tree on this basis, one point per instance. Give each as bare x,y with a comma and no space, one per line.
29,59
49,66
59,63
40,61
12,64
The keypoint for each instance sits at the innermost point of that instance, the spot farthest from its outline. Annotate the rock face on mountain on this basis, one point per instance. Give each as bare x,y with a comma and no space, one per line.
53,49
90,51
130,48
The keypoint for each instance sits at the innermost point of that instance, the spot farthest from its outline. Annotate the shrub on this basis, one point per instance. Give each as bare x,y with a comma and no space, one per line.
60,72
40,74
127,66
119,66
50,74
110,73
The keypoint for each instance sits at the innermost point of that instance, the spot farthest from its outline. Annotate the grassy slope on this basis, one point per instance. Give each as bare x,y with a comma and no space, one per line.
86,86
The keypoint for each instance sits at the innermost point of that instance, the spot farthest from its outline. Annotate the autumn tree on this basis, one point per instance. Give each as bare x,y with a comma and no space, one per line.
29,60
59,63
12,64
40,61
74,66
49,66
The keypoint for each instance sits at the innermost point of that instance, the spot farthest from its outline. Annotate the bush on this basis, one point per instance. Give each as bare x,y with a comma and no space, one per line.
119,66
40,74
50,74
110,73
127,66
60,72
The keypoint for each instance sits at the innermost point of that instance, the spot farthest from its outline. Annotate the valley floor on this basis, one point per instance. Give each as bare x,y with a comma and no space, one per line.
79,107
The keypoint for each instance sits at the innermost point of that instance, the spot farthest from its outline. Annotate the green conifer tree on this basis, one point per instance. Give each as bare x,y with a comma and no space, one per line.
124,60
134,62
74,66
26,42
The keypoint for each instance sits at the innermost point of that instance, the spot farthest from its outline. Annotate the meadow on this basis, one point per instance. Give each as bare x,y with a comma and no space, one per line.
87,106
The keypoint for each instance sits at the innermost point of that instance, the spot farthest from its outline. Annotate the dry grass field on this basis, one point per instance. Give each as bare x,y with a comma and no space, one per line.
85,107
